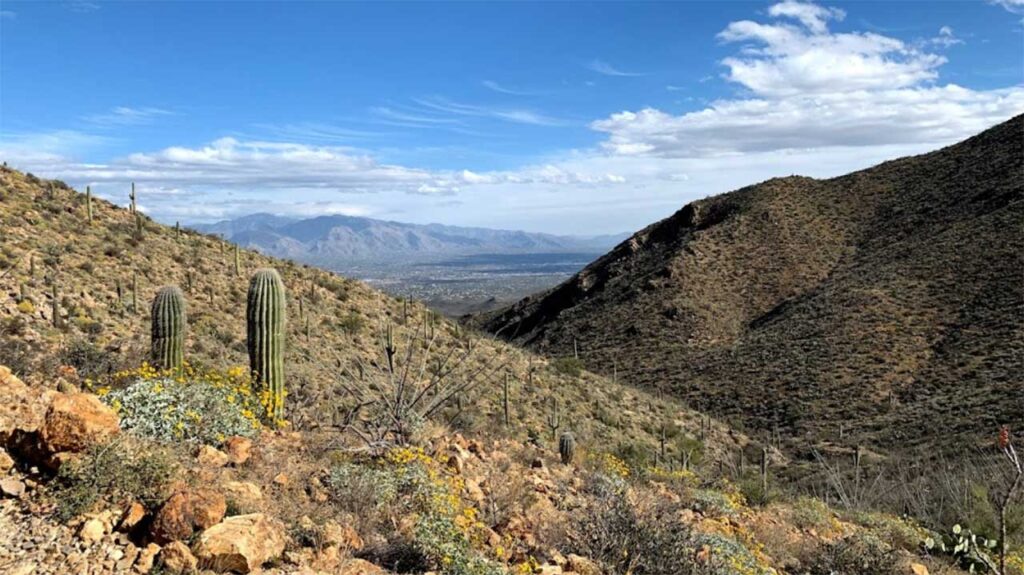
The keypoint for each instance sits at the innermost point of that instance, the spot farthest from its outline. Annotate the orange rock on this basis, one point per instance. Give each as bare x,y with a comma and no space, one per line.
282,479
918,569
239,449
176,558
241,543
131,518
360,567
211,457
74,422
343,536
187,511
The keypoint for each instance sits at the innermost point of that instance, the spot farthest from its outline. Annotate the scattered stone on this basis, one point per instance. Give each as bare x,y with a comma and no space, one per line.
343,536
239,449
6,463
211,457
241,543
581,565
918,569
131,518
187,511
247,495
92,531
12,487
175,557
146,559
282,479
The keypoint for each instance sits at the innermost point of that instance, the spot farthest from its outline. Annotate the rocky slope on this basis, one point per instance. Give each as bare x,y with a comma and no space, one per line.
884,307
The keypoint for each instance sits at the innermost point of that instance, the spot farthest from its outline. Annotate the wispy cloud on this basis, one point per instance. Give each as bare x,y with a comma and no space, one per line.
81,6
945,38
8,14
127,116
514,115
602,67
414,119
1015,6
492,85
317,132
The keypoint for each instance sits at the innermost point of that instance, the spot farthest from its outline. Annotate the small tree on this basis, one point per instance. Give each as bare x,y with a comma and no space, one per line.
1017,472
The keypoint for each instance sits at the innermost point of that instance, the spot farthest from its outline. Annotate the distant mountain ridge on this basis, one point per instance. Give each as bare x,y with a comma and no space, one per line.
324,240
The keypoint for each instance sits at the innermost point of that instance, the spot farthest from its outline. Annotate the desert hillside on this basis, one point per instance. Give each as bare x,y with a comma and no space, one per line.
884,307
529,465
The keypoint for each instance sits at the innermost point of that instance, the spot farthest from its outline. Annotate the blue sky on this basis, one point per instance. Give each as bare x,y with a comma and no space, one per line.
558,117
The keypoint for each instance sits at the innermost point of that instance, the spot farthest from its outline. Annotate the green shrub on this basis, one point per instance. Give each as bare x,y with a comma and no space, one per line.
857,554
111,473
201,410
570,366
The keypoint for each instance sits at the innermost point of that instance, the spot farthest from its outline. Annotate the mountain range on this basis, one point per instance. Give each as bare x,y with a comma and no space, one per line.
335,240
877,306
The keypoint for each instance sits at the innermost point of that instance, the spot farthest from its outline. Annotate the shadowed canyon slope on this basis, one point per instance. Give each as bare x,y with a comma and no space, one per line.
889,301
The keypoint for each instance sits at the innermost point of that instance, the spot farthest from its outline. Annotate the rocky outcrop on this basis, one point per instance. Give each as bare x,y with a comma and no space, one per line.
241,544
76,421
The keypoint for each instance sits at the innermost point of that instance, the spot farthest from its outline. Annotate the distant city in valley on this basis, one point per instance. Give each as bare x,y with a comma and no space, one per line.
455,270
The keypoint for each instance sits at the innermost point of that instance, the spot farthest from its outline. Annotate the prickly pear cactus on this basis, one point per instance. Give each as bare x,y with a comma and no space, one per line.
168,332
265,319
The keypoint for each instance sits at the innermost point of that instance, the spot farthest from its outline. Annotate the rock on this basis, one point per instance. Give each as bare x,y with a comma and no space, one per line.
147,557
21,412
176,558
131,517
27,568
343,536
12,487
581,565
360,567
75,422
211,457
187,511
918,569
6,463
282,479
245,494
241,543
92,531
239,449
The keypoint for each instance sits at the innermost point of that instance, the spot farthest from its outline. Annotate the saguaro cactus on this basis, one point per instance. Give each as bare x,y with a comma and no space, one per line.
567,447
168,333
88,203
265,319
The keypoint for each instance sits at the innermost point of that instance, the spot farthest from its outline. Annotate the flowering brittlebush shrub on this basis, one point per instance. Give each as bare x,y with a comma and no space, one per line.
204,406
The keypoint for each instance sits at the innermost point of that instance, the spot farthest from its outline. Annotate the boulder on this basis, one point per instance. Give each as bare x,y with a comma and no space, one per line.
75,422
6,462
12,487
344,536
241,543
187,511
211,457
176,558
131,517
147,558
239,449
23,408
244,494
92,531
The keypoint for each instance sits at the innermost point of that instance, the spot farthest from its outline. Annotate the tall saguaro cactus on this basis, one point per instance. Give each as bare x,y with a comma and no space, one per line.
168,332
88,203
265,316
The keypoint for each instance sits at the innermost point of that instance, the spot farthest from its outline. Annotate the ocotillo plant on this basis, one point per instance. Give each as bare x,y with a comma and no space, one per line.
168,331
265,316
567,447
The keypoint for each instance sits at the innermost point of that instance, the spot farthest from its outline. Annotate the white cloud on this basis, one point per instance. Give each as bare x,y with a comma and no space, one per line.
514,115
127,116
1015,6
946,38
602,67
496,87
809,88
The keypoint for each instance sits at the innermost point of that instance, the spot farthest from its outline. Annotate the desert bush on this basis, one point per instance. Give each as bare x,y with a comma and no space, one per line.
206,407
112,473
570,366
88,359
857,554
